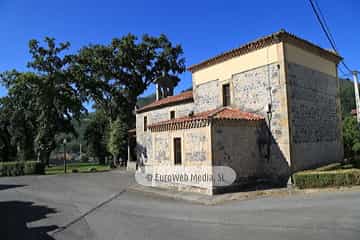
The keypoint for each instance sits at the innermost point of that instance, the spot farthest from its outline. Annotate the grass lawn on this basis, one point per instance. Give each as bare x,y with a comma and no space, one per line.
80,167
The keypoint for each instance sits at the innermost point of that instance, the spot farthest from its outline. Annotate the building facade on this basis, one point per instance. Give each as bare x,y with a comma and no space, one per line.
266,109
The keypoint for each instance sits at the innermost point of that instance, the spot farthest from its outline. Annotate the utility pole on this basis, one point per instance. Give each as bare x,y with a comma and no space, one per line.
357,98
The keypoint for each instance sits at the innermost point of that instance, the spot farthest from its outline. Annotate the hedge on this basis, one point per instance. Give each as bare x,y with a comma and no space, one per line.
316,179
21,168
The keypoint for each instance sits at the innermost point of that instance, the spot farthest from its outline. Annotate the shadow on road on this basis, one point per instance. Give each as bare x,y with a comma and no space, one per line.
7,186
15,217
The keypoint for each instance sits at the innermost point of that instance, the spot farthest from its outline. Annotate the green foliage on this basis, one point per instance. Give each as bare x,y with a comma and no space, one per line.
95,136
142,101
114,75
33,167
7,147
318,179
18,113
45,102
117,139
356,148
48,102
347,96
58,99
19,168
84,158
351,136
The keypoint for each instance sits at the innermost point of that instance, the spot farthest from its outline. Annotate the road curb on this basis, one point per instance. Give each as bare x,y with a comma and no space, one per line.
198,198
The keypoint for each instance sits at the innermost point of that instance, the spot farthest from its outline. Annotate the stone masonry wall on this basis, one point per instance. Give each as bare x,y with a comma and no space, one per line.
236,146
144,140
315,117
208,96
243,147
253,91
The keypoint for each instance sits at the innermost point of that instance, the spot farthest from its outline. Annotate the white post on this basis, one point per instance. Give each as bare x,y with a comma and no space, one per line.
357,98
158,94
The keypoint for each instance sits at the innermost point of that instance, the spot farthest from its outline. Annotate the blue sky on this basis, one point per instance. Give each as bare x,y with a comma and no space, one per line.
203,28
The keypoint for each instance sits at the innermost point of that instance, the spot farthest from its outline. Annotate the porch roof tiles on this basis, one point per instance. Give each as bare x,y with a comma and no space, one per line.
223,113
182,97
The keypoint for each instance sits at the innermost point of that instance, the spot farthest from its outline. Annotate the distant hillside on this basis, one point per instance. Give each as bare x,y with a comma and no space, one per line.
73,144
142,101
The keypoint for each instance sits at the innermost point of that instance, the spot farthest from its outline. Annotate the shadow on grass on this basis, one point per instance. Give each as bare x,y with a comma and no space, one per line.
8,186
16,216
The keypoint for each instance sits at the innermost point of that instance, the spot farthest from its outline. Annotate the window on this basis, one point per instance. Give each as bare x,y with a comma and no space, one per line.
172,114
226,94
145,123
177,151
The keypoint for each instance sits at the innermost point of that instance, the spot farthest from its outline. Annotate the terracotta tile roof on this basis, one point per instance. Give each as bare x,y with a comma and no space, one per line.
182,97
280,36
235,114
223,113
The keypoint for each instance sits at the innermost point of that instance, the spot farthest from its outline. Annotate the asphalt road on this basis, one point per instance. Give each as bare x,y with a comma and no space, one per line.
97,206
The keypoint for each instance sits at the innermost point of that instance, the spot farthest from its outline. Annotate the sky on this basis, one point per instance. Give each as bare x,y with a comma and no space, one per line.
203,28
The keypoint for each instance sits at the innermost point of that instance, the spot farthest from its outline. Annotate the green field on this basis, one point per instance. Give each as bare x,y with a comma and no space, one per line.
80,167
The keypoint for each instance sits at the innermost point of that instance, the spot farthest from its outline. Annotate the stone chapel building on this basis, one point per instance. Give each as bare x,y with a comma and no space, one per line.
266,109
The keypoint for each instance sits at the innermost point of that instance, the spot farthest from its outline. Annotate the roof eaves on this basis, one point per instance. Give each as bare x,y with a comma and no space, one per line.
154,105
262,42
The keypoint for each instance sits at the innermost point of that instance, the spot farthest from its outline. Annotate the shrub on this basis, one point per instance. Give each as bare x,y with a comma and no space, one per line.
351,137
33,167
75,170
21,168
337,178
84,158
356,161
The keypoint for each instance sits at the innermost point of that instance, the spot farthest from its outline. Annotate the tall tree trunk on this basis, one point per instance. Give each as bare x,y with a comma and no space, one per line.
114,160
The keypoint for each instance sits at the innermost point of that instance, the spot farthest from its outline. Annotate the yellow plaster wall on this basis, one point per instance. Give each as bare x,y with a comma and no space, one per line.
225,70
308,59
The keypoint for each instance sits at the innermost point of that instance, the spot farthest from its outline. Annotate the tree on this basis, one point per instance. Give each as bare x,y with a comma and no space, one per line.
95,137
117,139
115,75
58,99
44,103
20,110
347,96
351,136
7,149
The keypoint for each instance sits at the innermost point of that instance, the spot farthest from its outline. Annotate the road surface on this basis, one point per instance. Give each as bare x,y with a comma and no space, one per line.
98,206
